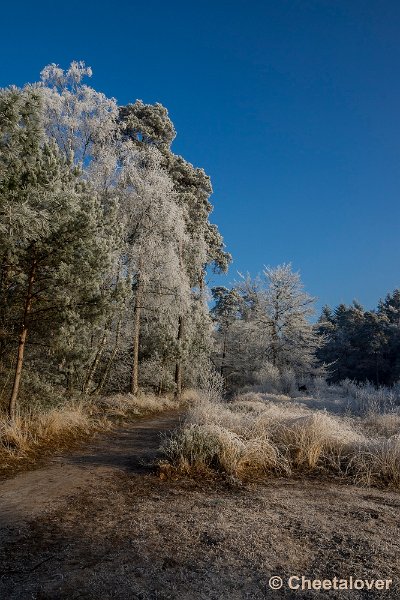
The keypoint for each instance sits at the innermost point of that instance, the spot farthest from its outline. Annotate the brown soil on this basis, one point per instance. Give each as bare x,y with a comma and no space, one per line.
100,524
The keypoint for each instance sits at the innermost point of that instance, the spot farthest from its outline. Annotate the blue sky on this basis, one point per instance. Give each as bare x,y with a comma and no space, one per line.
292,108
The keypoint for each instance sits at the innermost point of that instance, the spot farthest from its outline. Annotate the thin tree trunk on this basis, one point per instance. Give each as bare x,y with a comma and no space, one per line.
95,363
136,337
22,338
107,370
223,355
178,366
161,380
70,383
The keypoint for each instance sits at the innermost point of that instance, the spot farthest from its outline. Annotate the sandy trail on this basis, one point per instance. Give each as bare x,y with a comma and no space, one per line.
99,524
126,449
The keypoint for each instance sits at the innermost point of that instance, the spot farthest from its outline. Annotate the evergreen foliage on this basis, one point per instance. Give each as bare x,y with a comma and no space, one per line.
360,344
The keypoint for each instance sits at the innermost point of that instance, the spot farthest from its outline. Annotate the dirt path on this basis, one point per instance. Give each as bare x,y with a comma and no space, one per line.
99,524
127,449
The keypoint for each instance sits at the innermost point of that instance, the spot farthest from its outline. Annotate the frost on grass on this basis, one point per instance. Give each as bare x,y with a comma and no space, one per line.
32,431
257,435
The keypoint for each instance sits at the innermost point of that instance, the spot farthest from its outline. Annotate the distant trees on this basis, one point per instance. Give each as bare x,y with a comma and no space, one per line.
264,324
361,344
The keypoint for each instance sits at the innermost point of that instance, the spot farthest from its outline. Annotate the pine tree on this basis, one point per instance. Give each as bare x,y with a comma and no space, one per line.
54,254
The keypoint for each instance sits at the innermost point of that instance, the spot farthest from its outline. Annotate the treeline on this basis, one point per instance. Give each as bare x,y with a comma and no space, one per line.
361,344
105,239
265,337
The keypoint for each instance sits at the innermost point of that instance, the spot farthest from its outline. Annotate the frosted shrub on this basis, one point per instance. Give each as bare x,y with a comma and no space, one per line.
211,384
269,379
153,368
365,398
319,386
288,383
272,381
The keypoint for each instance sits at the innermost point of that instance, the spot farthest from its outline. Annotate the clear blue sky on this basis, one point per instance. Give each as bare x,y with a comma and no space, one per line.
292,107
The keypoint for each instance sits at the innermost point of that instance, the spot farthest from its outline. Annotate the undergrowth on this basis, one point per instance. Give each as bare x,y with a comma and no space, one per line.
260,435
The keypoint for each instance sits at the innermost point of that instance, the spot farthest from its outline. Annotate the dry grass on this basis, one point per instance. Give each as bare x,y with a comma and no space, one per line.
260,435
377,462
123,405
32,434
30,430
385,425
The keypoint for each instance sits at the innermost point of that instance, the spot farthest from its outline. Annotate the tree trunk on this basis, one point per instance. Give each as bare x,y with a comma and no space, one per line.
178,366
223,355
161,380
69,392
107,370
136,337
22,338
95,363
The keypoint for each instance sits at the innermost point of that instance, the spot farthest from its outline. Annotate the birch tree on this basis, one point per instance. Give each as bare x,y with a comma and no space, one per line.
154,230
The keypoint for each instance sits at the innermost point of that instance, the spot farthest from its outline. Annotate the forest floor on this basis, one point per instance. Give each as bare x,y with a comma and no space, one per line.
100,523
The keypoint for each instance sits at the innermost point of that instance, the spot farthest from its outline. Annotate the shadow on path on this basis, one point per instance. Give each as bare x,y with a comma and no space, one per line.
132,447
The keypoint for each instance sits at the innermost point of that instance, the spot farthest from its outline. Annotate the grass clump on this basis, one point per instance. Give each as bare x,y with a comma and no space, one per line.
257,436
202,447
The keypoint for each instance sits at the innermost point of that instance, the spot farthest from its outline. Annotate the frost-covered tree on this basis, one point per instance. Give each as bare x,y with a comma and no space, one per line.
54,251
113,180
225,313
149,125
264,324
82,121
84,124
285,309
154,231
